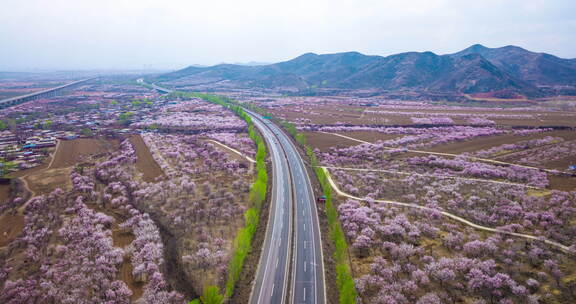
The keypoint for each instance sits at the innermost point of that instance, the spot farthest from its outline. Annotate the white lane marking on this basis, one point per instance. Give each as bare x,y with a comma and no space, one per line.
304,266
304,244
304,226
299,170
277,261
277,215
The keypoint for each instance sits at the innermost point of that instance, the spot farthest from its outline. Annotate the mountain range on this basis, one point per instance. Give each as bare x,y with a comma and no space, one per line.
477,69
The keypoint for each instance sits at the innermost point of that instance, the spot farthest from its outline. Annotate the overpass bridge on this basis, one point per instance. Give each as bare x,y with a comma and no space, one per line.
161,89
154,86
5,103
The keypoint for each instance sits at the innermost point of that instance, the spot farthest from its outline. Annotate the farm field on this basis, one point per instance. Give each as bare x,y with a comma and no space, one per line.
145,162
71,152
378,111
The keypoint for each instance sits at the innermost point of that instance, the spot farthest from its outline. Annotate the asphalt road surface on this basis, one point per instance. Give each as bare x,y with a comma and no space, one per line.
291,195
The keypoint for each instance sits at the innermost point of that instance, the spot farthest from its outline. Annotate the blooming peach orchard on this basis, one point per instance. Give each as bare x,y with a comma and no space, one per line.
115,238
405,255
497,173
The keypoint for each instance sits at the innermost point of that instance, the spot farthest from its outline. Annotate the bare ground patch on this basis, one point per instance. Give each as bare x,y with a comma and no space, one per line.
563,183
121,238
481,143
48,180
324,142
370,136
72,151
145,163
125,274
5,191
11,226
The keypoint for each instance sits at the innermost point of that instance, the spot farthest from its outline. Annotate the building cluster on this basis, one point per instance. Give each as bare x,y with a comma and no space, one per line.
30,149
92,110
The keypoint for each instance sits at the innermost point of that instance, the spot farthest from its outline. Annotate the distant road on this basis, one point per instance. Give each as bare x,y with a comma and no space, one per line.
41,94
307,271
154,86
161,89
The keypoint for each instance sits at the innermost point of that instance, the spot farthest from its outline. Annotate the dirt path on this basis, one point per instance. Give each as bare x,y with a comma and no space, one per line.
24,177
487,160
27,187
55,152
233,150
450,215
435,176
125,274
348,137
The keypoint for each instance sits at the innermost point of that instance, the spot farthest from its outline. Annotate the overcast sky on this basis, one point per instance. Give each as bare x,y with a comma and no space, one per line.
130,34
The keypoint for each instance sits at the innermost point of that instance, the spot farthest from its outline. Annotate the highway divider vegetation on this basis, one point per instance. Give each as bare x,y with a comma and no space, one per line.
243,240
345,282
347,293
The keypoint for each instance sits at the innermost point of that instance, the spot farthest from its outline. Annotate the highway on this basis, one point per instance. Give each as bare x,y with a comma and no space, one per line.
155,87
291,266
161,89
41,94
306,284
271,281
